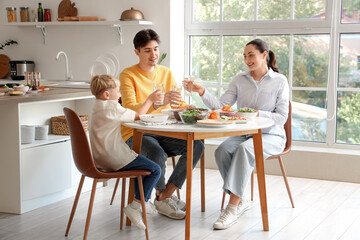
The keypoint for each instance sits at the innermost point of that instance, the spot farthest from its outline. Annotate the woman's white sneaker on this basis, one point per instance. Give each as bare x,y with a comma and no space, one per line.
225,220
243,206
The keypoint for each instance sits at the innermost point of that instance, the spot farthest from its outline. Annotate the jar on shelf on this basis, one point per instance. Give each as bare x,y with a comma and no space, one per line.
24,14
11,14
47,15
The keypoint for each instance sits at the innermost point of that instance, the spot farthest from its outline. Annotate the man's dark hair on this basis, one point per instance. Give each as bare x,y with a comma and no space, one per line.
144,37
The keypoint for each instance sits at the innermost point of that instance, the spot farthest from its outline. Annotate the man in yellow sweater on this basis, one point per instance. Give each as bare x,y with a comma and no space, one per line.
136,85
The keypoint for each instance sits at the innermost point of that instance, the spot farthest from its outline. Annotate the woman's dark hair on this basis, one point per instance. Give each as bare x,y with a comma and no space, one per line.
144,37
262,47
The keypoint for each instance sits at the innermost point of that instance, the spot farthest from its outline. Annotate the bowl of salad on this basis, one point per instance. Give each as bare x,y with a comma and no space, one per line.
248,113
193,115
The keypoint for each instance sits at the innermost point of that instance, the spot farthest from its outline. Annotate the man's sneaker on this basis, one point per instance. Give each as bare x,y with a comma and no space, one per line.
225,220
180,204
169,208
135,216
243,206
150,208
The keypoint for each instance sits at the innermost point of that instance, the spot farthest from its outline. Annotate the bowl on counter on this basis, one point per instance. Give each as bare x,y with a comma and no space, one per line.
21,88
155,118
193,115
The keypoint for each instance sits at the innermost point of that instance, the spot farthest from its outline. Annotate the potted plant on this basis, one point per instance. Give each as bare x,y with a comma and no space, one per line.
7,43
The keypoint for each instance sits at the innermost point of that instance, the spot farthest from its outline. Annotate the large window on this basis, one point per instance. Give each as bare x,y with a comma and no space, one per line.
317,47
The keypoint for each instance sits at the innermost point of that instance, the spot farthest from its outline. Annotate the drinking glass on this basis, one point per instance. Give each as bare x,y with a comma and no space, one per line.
160,86
177,88
186,92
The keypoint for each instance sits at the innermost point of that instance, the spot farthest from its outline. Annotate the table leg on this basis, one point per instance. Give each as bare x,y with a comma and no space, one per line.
202,177
259,160
190,149
137,138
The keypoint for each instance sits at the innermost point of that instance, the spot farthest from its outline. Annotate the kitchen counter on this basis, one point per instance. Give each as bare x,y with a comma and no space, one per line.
52,94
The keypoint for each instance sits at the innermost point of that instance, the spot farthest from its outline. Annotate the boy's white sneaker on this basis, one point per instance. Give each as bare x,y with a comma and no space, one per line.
135,216
168,207
180,204
225,220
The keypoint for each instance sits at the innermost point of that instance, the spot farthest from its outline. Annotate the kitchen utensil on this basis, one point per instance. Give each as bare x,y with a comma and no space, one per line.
67,9
4,65
18,69
109,62
131,14
99,68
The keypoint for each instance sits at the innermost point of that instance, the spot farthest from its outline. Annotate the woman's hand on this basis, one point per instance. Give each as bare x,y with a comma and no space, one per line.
192,86
172,97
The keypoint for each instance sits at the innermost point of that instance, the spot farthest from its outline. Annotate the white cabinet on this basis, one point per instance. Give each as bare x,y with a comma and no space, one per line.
41,173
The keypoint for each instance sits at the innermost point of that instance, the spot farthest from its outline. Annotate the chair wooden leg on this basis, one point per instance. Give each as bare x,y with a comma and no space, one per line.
142,197
252,185
91,203
285,180
114,192
123,189
75,204
223,201
173,163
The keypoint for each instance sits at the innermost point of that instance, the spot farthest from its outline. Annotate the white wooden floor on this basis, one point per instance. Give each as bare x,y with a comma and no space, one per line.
323,210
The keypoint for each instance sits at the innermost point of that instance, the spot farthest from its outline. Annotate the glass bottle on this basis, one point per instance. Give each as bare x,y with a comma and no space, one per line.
24,14
47,15
40,13
11,14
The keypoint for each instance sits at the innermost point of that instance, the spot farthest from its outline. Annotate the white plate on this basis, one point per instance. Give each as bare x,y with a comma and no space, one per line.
154,117
99,68
215,122
116,62
109,62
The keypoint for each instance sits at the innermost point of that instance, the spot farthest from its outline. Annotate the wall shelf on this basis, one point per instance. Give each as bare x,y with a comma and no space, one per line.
115,24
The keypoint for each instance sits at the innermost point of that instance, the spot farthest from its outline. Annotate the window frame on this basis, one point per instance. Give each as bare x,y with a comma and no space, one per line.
330,25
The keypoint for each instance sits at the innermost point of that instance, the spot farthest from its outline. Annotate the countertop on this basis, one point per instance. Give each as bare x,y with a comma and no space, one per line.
51,94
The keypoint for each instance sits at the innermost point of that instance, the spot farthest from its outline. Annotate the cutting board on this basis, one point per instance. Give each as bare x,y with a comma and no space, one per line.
67,9
66,19
4,65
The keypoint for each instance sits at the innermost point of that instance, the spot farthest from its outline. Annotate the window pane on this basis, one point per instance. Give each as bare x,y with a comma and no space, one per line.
311,60
280,45
206,10
348,118
235,10
349,61
350,11
205,58
233,60
309,116
314,9
274,9
197,101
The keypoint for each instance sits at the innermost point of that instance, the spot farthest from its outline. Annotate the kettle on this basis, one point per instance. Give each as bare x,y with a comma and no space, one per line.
131,14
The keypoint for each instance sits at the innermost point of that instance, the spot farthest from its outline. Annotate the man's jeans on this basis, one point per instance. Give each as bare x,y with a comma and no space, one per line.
157,148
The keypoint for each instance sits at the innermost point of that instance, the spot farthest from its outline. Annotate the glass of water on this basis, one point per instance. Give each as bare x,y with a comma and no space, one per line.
186,92
160,86
178,88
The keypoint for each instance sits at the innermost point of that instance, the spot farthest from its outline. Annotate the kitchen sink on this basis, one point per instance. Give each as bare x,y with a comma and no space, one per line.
72,84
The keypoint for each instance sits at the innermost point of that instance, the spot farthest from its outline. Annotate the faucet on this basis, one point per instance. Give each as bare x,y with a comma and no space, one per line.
68,74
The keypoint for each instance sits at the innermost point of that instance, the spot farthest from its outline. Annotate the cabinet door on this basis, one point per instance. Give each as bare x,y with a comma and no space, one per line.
46,169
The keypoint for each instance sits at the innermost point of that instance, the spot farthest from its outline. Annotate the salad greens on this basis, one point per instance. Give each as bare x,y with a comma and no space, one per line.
247,110
189,116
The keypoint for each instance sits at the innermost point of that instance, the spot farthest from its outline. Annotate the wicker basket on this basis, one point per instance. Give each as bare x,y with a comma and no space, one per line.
59,124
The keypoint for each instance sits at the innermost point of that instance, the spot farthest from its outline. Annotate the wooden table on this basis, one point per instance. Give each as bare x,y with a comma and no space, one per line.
196,132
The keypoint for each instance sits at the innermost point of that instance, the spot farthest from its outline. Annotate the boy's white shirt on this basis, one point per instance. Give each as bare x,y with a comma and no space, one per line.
109,150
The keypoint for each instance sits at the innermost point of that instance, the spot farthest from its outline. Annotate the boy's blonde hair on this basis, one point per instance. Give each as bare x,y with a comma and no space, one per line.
99,83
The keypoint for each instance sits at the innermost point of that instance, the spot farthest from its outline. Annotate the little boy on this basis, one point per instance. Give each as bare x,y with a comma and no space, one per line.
109,149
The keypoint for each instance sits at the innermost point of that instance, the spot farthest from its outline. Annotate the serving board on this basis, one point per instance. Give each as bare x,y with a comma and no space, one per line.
4,65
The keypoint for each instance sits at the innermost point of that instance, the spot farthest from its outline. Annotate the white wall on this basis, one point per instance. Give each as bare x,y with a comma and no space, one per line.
83,44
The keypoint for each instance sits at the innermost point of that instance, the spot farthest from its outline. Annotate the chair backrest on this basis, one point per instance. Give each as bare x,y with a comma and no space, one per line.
287,127
81,150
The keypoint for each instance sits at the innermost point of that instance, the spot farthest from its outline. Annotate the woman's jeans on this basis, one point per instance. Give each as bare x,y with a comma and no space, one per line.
157,149
149,181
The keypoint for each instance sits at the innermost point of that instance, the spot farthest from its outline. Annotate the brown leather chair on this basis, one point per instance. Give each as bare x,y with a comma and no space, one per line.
287,127
85,164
